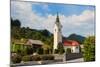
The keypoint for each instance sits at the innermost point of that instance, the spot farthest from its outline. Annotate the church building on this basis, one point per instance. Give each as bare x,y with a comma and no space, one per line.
57,33
58,38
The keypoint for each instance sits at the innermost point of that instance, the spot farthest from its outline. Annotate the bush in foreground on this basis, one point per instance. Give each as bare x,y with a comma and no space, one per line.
36,58
27,58
42,57
16,58
47,57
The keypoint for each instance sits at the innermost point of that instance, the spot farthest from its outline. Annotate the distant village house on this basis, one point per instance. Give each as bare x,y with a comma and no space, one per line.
22,44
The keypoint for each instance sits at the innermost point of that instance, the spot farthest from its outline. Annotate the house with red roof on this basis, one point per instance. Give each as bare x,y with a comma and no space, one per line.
73,45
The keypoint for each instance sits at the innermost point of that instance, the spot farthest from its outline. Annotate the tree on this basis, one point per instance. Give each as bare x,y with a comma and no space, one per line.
60,48
29,50
15,23
40,50
68,50
15,28
56,51
45,32
89,49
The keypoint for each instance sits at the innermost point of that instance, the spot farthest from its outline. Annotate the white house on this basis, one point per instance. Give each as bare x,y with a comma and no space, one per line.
73,45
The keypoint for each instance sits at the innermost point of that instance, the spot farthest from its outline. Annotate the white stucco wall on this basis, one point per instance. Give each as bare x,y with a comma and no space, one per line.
57,36
74,49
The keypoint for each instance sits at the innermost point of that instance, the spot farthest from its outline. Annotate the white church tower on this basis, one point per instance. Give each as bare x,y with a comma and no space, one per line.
57,33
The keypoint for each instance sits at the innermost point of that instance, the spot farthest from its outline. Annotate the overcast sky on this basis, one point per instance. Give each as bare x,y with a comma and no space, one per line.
77,19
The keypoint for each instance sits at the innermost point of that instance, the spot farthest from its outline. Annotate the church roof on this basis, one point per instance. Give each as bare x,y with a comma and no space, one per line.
71,43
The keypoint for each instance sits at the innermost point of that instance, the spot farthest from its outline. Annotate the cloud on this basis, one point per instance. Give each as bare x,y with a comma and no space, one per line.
23,12
82,24
85,16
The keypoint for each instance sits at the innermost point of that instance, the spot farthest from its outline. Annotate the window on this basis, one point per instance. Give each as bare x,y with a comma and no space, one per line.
76,47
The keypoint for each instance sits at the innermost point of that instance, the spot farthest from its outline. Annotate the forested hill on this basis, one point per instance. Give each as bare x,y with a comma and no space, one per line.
75,37
18,32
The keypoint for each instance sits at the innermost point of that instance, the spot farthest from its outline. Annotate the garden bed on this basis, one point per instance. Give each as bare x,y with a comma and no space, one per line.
37,59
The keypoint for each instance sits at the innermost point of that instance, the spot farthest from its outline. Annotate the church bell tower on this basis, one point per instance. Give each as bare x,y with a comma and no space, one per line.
57,33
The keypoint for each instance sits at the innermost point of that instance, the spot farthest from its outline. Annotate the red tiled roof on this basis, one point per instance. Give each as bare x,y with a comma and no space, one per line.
71,43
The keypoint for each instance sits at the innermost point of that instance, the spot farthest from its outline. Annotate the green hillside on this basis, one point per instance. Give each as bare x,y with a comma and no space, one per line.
18,32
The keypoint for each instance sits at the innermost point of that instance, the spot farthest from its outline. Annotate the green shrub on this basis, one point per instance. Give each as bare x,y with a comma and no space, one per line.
26,58
36,58
44,57
61,51
50,57
47,57
56,51
16,58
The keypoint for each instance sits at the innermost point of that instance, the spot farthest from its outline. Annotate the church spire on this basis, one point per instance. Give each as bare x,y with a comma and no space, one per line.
57,32
57,18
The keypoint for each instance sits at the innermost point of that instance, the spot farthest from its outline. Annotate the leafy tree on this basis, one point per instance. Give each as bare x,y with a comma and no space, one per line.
29,50
15,23
89,49
15,28
40,50
60,48
45,32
